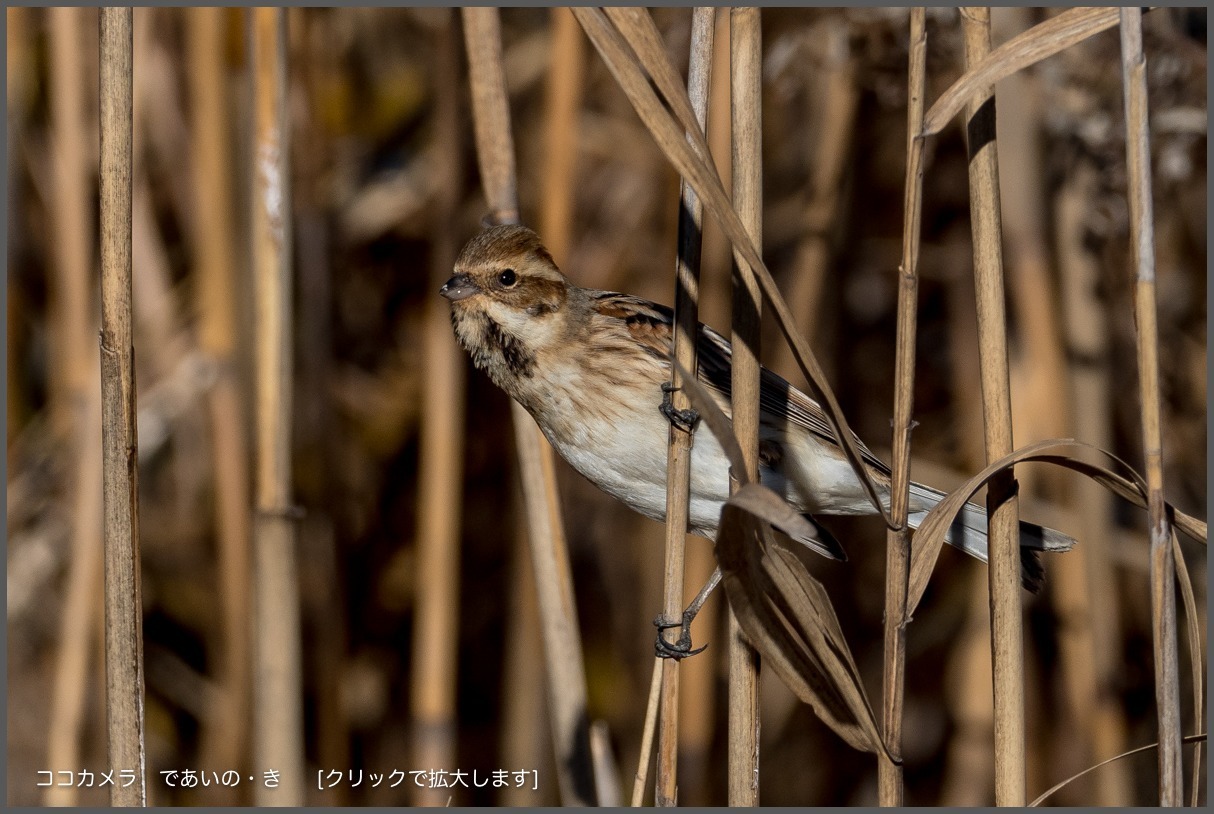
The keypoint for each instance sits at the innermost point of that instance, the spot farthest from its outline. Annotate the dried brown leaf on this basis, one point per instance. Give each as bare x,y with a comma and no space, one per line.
788,616
1041,41
929,538
1196,654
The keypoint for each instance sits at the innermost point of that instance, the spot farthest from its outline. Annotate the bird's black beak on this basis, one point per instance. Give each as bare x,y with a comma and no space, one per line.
458,287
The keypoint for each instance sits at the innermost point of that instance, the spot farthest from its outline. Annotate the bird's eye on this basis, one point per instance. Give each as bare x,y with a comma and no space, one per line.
507,278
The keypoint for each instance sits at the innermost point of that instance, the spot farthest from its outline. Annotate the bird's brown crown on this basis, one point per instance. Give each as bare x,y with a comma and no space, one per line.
501,243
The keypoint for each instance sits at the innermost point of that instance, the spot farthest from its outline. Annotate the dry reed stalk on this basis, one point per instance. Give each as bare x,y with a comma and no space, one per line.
433,684
647,731
549,554
277,710
606,772
897,542
1042,405
75,404
564,96
1007,648
524,730
716,263
678,460
745,68
1142,240
524,739
214,257
697,687
75,670
20,65
1087,337
120,444
323,597
831,149
969,763
969,766
71,291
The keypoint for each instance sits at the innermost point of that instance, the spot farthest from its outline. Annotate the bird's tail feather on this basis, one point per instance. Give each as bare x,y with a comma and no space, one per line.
968,533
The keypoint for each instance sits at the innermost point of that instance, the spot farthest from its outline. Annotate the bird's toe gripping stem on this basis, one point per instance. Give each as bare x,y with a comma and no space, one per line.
682,419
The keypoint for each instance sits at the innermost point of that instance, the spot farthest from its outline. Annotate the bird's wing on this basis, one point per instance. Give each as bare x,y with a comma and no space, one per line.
651,325
777,398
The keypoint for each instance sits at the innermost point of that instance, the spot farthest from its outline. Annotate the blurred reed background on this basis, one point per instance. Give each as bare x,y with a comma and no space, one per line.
383,189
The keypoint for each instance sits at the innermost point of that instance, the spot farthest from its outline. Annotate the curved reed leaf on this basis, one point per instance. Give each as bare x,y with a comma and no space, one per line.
1058,786
1041,41
929,538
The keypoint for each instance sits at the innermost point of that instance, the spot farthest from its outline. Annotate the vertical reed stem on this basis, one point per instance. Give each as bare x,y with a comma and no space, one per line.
745,67
549,555
215,270
678,460
523,719
1142,239
433,688
1088,341
561,114
120,444
1007,647
278,718
70,294
897,551
75,399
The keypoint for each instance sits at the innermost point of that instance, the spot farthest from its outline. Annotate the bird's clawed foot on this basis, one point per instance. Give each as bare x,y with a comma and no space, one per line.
684,420
681,648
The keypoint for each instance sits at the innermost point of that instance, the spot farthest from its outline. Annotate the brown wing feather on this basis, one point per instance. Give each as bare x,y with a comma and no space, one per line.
651,324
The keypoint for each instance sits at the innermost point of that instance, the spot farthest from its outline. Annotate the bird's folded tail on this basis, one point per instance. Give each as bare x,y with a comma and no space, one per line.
968,533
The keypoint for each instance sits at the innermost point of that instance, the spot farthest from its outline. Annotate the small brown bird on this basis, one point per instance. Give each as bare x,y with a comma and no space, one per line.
590,368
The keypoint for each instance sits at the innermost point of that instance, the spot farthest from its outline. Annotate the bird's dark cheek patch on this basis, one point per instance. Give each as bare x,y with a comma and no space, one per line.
518,360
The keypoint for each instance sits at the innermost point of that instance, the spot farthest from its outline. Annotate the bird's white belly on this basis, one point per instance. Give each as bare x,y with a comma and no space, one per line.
633,470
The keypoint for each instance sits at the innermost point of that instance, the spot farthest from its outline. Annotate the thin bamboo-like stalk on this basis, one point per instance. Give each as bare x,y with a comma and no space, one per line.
123,601
1042,408
897,550
549,555
523,728
1007,647
72,281
606,772
563,101
1142,241
970,764
214,257
75,398
745,67
697,685
434,681
19,36
1087,338
75,668
323,599
678,460
647,732
277,712
717,260
524,738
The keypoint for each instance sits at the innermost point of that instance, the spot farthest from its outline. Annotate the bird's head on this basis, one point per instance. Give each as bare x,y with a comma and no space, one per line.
508,300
